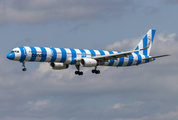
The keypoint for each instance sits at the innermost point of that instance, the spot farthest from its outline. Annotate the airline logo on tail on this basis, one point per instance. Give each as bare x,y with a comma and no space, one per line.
61,58
146,41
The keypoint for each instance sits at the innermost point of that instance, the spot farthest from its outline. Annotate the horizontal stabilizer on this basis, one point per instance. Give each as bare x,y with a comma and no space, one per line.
157,56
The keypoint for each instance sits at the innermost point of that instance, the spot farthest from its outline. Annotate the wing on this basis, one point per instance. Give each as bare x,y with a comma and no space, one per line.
104,58
114,56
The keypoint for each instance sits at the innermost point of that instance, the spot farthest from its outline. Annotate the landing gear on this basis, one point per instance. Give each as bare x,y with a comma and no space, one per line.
23,65
24,69
78,72
96,71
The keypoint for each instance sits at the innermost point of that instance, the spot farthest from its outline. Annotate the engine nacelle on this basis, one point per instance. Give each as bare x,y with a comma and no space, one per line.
59,66
87,62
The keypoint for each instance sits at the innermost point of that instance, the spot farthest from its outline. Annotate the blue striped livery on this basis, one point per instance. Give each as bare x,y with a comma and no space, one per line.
54,55
61,58
74,55
33,51
64,55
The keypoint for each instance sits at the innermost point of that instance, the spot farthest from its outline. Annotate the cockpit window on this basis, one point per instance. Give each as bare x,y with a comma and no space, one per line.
15,51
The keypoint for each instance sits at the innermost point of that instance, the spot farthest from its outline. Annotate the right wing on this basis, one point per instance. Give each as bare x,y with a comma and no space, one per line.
104,58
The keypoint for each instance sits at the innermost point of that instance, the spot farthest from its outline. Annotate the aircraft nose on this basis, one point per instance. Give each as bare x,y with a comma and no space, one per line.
11,56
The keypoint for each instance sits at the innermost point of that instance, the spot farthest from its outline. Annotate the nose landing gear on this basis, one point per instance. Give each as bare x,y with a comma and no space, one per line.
23,65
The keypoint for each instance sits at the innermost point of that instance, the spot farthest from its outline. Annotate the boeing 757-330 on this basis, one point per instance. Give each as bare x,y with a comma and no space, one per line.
61,58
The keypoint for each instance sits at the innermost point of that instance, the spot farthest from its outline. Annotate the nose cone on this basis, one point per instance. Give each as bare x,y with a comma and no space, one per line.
11,56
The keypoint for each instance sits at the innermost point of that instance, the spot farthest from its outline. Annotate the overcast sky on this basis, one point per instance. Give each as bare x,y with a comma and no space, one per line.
145,92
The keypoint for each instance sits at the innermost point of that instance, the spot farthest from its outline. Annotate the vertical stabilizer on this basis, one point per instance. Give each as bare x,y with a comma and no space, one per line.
147,40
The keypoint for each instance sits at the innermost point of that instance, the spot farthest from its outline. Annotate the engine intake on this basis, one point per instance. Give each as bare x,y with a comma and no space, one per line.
59,66
87,62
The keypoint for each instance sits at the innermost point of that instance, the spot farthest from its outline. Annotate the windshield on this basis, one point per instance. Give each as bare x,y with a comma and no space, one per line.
15,51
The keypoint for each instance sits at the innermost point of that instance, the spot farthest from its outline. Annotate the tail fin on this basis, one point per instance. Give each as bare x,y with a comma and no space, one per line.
148,39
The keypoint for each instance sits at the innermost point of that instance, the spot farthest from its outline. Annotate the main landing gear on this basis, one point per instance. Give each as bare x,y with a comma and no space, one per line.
95,71
23,65
78,72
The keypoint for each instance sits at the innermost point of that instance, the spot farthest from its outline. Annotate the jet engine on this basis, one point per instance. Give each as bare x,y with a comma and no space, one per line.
59,66
87,62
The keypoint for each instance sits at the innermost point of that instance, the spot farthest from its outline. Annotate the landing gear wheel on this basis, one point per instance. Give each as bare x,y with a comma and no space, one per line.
23,65
78,73
96,71
24,69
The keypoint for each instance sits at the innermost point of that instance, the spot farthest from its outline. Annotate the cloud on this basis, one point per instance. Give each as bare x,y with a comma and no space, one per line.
126,44
163,43
39,105
145,92
39,11
121,105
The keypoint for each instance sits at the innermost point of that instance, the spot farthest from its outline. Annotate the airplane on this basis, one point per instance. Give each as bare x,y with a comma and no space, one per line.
61,58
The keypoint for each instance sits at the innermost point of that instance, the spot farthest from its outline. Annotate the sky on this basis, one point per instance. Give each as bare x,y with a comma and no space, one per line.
144,92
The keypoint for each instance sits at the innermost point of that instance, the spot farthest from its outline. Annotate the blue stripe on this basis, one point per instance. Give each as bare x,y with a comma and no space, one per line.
111,60
23,56
139,59
33,51
101,52
153,34
92,53
146,60
144,45
54,55
74,55
102,63
43,54
130,60
137,48
121,61
83,53
64,55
